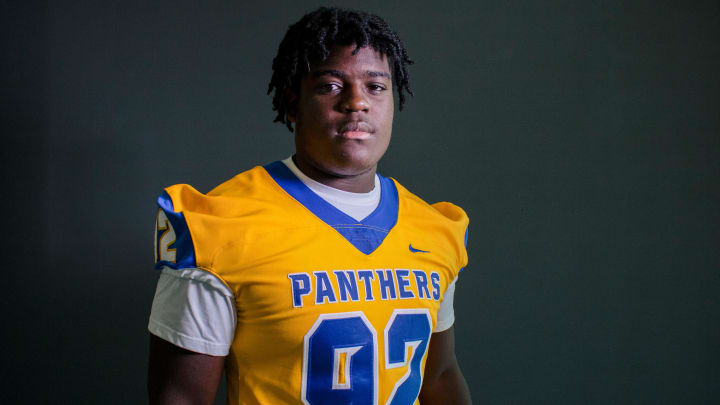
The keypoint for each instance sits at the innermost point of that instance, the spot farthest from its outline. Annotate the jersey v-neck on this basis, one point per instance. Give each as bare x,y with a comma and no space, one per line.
366,235
356,205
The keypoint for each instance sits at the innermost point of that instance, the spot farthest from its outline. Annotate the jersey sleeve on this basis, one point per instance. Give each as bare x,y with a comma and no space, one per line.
194,310
465,242
174,245
457,226
446,312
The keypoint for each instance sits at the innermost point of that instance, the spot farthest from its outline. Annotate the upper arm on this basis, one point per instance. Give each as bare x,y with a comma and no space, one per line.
441,354
179,376
191,323
443,382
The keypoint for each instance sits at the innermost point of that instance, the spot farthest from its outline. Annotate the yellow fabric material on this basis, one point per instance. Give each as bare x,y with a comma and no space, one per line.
252,234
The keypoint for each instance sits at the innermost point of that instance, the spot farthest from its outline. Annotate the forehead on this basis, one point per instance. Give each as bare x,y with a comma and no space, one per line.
365,60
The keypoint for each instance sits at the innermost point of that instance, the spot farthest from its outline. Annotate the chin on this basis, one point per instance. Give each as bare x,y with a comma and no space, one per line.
347,169
350,164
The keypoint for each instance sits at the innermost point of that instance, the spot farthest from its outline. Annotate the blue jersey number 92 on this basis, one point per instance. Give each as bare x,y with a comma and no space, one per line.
341,352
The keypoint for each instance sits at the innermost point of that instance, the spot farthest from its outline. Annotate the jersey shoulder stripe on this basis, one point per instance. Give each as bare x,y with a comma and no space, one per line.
173,243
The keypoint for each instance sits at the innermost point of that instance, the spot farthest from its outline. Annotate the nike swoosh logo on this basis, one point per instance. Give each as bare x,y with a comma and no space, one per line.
412,249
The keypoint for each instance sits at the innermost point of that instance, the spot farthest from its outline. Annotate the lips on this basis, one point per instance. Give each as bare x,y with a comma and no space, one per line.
356,130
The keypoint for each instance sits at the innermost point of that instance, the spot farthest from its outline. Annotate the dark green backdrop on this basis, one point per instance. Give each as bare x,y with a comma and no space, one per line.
581,137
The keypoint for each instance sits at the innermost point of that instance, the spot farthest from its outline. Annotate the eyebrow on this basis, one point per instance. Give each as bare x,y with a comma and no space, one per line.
339,74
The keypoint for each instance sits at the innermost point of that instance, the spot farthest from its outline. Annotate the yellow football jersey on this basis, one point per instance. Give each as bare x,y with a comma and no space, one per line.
329,310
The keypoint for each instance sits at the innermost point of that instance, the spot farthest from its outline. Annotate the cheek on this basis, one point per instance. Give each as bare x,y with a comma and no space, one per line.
386,119
388,110
313,114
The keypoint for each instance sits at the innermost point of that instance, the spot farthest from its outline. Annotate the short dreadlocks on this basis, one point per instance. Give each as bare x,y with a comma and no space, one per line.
311,39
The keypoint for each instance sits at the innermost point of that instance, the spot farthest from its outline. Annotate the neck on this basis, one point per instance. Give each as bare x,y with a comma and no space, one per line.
355,183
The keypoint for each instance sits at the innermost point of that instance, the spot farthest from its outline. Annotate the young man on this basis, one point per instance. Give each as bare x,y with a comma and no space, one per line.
313,280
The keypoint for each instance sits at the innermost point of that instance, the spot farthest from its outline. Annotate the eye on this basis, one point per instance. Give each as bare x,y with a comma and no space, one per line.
328,88
376,88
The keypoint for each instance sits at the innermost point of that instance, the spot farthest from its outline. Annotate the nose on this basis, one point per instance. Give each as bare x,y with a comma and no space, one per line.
354,100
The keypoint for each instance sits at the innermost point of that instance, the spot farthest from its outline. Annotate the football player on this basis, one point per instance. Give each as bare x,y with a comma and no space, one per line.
313,280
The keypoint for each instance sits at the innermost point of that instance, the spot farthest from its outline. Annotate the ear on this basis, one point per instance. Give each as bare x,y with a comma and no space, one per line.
292,104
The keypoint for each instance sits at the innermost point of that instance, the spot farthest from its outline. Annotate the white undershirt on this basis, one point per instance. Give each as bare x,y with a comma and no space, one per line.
194,310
